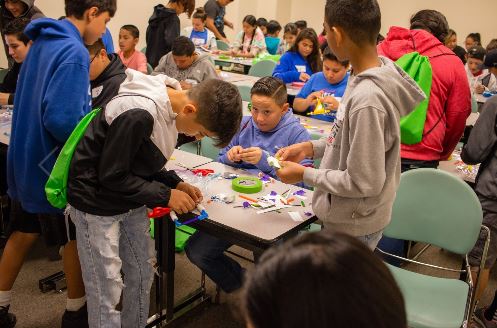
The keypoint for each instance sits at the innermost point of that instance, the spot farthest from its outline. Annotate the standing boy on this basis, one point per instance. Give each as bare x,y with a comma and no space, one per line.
216,10
117,171
51,97
107,72
354,188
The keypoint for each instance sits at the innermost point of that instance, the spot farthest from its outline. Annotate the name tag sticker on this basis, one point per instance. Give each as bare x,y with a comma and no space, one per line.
300,68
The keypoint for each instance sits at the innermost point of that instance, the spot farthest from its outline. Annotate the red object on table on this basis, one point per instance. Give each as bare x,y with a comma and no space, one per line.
298,84
158,212
202,172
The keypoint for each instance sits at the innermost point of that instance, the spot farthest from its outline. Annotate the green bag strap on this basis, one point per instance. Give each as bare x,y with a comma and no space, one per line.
418,67
56,186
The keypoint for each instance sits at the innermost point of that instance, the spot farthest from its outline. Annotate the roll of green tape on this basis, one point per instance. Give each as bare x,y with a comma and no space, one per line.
246,185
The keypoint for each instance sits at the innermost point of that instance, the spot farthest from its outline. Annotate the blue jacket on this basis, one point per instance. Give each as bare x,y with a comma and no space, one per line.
52,96
286,69
289,131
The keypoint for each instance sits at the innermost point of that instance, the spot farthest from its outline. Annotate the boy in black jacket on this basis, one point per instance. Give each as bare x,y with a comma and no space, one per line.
107,72
164,27
18,44
117,171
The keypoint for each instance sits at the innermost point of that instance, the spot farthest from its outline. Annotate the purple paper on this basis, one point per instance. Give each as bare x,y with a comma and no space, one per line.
308,213
299,192
265,178
246,204
273,193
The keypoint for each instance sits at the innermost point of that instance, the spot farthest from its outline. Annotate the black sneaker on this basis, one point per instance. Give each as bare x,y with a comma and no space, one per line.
7,320
75,319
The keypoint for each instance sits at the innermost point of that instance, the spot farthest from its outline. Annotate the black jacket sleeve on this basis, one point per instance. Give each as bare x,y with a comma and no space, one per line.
9,83
169,178
483,137
124,138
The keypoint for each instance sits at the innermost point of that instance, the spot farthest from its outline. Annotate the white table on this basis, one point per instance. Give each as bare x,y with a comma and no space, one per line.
292,90
265,228
5,124
238,79
480,98
456,167
181,159
231,63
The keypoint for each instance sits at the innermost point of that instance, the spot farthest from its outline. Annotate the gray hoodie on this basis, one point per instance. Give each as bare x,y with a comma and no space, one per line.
201,69
360,169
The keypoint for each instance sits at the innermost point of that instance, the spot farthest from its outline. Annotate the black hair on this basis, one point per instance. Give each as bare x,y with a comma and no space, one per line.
96,47
314,59
249,19
16,27
188,5
318,280
273,27
135,32
183,46
219,108
360,19
431,21
200,14
272,87
291,28
301,24
380,38
329,55
261,22
476,37
77,8
492,45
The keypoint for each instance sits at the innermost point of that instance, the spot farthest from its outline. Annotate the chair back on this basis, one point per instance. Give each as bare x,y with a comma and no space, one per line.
262,68
244,92
221,45
436,207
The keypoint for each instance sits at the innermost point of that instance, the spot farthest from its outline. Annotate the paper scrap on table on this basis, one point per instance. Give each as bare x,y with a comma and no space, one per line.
272,209
296,216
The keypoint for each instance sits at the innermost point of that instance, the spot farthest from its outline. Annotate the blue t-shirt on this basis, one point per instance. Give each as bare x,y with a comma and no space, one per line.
199,38
318,82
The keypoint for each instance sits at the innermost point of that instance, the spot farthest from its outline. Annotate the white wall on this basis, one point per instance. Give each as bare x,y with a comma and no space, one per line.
463,16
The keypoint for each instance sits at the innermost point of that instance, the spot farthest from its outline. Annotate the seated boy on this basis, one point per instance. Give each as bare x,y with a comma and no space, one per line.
480,79
186,65
19,45
328,85
117,171
271,126
107,72
355,185
272,37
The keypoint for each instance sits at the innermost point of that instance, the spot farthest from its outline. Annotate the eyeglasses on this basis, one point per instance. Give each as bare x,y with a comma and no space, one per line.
96,54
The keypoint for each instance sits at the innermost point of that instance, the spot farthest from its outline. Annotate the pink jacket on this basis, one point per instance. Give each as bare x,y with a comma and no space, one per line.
137,61
450,99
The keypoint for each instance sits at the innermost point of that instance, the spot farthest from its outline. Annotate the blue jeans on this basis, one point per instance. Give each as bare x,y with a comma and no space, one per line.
107,244
207,253
371,240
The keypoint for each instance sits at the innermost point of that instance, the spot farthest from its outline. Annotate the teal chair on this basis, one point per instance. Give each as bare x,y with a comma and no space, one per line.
438,208
244,92
191,147
223,46
144,49
149,69
474,104
208,149
262,68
